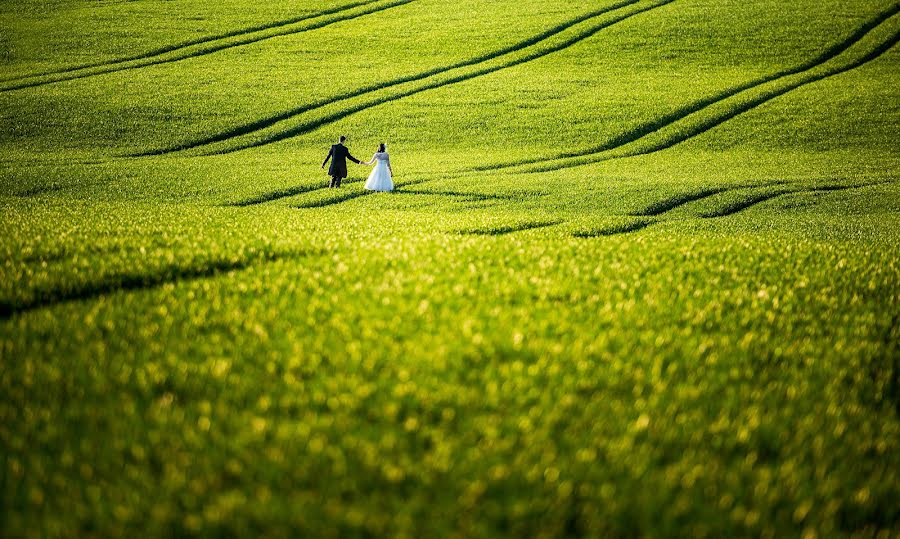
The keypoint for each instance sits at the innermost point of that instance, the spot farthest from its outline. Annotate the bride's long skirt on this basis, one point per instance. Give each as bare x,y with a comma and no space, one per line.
380,178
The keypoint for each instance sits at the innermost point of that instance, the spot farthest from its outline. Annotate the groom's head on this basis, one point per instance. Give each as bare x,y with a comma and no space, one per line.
342,139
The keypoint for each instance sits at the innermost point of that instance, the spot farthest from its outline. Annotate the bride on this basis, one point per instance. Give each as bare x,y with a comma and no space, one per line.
380,178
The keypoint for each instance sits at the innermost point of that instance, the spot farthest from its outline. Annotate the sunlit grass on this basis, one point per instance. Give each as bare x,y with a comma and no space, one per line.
701,341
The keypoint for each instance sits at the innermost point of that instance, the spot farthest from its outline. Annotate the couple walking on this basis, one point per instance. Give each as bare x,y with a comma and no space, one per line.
379,179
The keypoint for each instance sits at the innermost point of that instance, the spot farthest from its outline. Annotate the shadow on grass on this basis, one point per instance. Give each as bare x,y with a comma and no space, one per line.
331,201
681,199
202,46
306,127
285,193
758,198
469,197
344,196
507,229
275,195
747,202
40,190
591,154
623,228
134,281
272,120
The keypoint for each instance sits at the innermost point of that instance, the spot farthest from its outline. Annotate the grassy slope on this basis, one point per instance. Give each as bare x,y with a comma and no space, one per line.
37,43
485,353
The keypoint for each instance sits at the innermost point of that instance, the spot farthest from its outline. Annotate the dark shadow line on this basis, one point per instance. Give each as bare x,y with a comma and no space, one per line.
653,126
210,49
331,118
56,256
40,190
272,120
332,200
284,193
134,281
509,229
62,253
199,41
275,195
706,126
52,163
460,194
681,199
344,197
750,200
759,198
826,188
614,230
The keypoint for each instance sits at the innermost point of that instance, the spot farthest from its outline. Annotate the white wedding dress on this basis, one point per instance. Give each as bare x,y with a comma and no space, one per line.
380,177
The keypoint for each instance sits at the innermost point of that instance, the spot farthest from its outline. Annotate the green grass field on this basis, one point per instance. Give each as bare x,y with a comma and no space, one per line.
640,275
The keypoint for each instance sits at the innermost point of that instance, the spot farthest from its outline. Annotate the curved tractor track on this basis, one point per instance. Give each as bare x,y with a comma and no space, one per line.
205,46
865,45
293,123
656,125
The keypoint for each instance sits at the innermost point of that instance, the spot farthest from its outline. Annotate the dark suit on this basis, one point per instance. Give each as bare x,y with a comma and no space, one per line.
338,169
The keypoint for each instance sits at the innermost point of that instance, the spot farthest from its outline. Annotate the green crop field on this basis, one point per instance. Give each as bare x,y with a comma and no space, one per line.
640,275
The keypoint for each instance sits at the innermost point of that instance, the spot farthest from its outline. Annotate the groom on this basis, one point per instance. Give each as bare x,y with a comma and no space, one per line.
338,155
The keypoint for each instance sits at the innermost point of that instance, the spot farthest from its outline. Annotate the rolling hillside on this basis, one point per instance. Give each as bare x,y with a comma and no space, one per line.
639,275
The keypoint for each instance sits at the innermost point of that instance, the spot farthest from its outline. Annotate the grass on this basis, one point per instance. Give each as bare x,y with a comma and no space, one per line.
620,228
639,276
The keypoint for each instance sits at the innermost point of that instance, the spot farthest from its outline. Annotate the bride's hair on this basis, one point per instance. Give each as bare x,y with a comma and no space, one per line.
382,147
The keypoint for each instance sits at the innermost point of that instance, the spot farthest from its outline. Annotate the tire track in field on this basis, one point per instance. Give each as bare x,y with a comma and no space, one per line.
759,198
624,228
668,204
287,192
40,190
203,47
331,201
805,71
508,229
199,41
750,200
442,78
269,121
134,281
277,194
350,195
680,199
466,196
